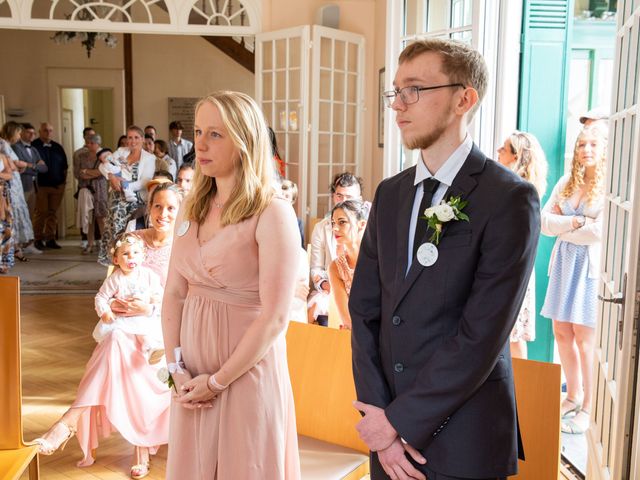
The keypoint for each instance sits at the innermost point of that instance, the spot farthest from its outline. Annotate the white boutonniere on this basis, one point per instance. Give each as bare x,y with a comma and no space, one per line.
165,377
445,212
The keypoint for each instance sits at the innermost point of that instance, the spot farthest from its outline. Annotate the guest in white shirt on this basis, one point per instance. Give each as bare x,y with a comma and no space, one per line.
345,186
178,146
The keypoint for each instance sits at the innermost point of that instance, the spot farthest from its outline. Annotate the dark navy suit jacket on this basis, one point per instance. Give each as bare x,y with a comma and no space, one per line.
432,347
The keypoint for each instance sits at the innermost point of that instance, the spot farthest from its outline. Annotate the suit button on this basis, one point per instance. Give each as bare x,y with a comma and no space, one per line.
396,320
398,367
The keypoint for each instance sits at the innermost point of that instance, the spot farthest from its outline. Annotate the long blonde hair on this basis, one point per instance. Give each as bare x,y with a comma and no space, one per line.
596,187
531,162
254,189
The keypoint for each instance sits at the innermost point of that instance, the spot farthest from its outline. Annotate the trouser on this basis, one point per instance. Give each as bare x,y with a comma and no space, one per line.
30,197
48,199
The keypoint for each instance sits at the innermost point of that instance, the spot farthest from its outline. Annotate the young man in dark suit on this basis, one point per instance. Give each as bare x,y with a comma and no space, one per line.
432,311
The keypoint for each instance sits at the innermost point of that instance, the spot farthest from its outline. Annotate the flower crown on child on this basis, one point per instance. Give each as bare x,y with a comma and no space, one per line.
128,238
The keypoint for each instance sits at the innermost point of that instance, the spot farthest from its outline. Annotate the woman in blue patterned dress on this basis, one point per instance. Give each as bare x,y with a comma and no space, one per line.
6,216
573,214
22,227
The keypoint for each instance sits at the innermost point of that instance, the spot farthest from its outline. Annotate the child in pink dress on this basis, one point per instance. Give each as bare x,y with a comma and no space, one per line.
130,280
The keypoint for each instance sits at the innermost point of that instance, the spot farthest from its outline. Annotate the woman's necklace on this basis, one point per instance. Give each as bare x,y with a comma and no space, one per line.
217,205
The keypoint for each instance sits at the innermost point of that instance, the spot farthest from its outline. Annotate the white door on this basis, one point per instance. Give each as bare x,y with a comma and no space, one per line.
612,437
66,212
282,89
337,93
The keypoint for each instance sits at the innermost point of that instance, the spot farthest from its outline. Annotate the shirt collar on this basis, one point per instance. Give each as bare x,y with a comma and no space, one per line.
449,168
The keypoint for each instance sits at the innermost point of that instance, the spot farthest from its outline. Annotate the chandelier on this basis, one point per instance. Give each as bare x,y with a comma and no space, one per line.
87,39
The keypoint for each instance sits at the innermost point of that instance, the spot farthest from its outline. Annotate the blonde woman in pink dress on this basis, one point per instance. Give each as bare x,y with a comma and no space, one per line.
135,403
348,221
231,282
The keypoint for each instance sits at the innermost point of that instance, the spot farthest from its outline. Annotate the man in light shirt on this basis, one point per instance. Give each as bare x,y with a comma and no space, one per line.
178,146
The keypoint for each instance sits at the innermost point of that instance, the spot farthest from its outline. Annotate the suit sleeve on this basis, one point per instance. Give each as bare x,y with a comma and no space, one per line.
460,366
365,310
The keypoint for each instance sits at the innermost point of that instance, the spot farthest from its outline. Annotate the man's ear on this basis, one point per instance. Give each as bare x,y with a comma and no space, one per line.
466,100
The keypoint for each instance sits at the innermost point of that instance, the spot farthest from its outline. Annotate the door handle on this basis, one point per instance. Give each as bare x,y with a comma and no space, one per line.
618,299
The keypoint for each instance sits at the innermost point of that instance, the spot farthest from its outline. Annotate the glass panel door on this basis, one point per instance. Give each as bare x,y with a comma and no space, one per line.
611,435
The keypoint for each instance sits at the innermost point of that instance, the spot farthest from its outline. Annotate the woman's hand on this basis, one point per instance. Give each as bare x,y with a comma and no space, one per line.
131,307
556,209
115,182
302,290
196,392
179,379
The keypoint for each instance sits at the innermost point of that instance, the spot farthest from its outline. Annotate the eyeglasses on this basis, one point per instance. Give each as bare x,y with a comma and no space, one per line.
409,95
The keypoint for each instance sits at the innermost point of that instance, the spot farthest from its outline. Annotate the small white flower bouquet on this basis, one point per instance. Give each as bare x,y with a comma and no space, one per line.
438,215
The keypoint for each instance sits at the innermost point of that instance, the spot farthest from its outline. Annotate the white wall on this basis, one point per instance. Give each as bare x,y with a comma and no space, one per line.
163,67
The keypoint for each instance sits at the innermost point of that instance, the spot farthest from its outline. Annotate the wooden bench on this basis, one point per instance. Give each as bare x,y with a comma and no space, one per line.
323,389
15,455
321,376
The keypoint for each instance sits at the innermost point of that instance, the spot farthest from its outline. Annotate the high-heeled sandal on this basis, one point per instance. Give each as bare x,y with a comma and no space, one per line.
572,409
140,469
21,257
47,447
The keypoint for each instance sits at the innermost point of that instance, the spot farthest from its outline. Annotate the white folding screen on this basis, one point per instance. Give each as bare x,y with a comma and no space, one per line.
319,134
282,89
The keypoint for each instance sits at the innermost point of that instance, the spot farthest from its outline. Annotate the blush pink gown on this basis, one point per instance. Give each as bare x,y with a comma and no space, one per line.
250,432
122,389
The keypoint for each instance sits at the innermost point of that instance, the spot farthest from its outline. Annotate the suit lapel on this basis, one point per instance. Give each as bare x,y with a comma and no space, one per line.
463,184
405,206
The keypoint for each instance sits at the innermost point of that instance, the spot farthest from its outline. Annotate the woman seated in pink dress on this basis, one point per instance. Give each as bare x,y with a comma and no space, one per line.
226,304
136,404
348,221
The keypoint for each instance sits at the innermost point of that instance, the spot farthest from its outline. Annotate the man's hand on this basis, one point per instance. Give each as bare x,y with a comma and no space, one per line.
374,429
396,464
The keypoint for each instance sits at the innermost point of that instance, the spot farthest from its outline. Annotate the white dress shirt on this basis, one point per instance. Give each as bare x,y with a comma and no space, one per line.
445,175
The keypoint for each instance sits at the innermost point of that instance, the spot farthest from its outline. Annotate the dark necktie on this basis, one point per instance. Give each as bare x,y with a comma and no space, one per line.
429,186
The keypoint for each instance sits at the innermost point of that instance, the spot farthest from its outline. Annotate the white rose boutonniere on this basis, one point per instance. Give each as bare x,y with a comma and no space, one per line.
438,215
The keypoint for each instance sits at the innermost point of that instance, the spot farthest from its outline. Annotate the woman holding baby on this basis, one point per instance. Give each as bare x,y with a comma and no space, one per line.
135,167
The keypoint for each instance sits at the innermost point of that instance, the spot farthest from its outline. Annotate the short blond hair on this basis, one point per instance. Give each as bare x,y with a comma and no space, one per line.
461,63
254,187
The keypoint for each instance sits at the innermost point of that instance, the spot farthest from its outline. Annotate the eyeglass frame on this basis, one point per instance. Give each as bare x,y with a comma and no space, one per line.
390,95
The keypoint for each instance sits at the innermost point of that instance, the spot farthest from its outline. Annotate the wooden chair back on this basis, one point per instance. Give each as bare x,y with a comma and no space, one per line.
322,380
10,376
538,398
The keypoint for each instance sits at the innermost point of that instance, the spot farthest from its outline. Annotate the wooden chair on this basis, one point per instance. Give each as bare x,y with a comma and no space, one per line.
538,398
323,389
15,455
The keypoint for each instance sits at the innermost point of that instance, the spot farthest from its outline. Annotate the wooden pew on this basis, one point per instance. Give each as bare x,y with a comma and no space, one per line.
321,376
15,455
323,389
538,396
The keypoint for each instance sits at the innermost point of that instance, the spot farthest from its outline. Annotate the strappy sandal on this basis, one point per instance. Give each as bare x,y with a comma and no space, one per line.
47,447
571,411
21,257
140,469
572,426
